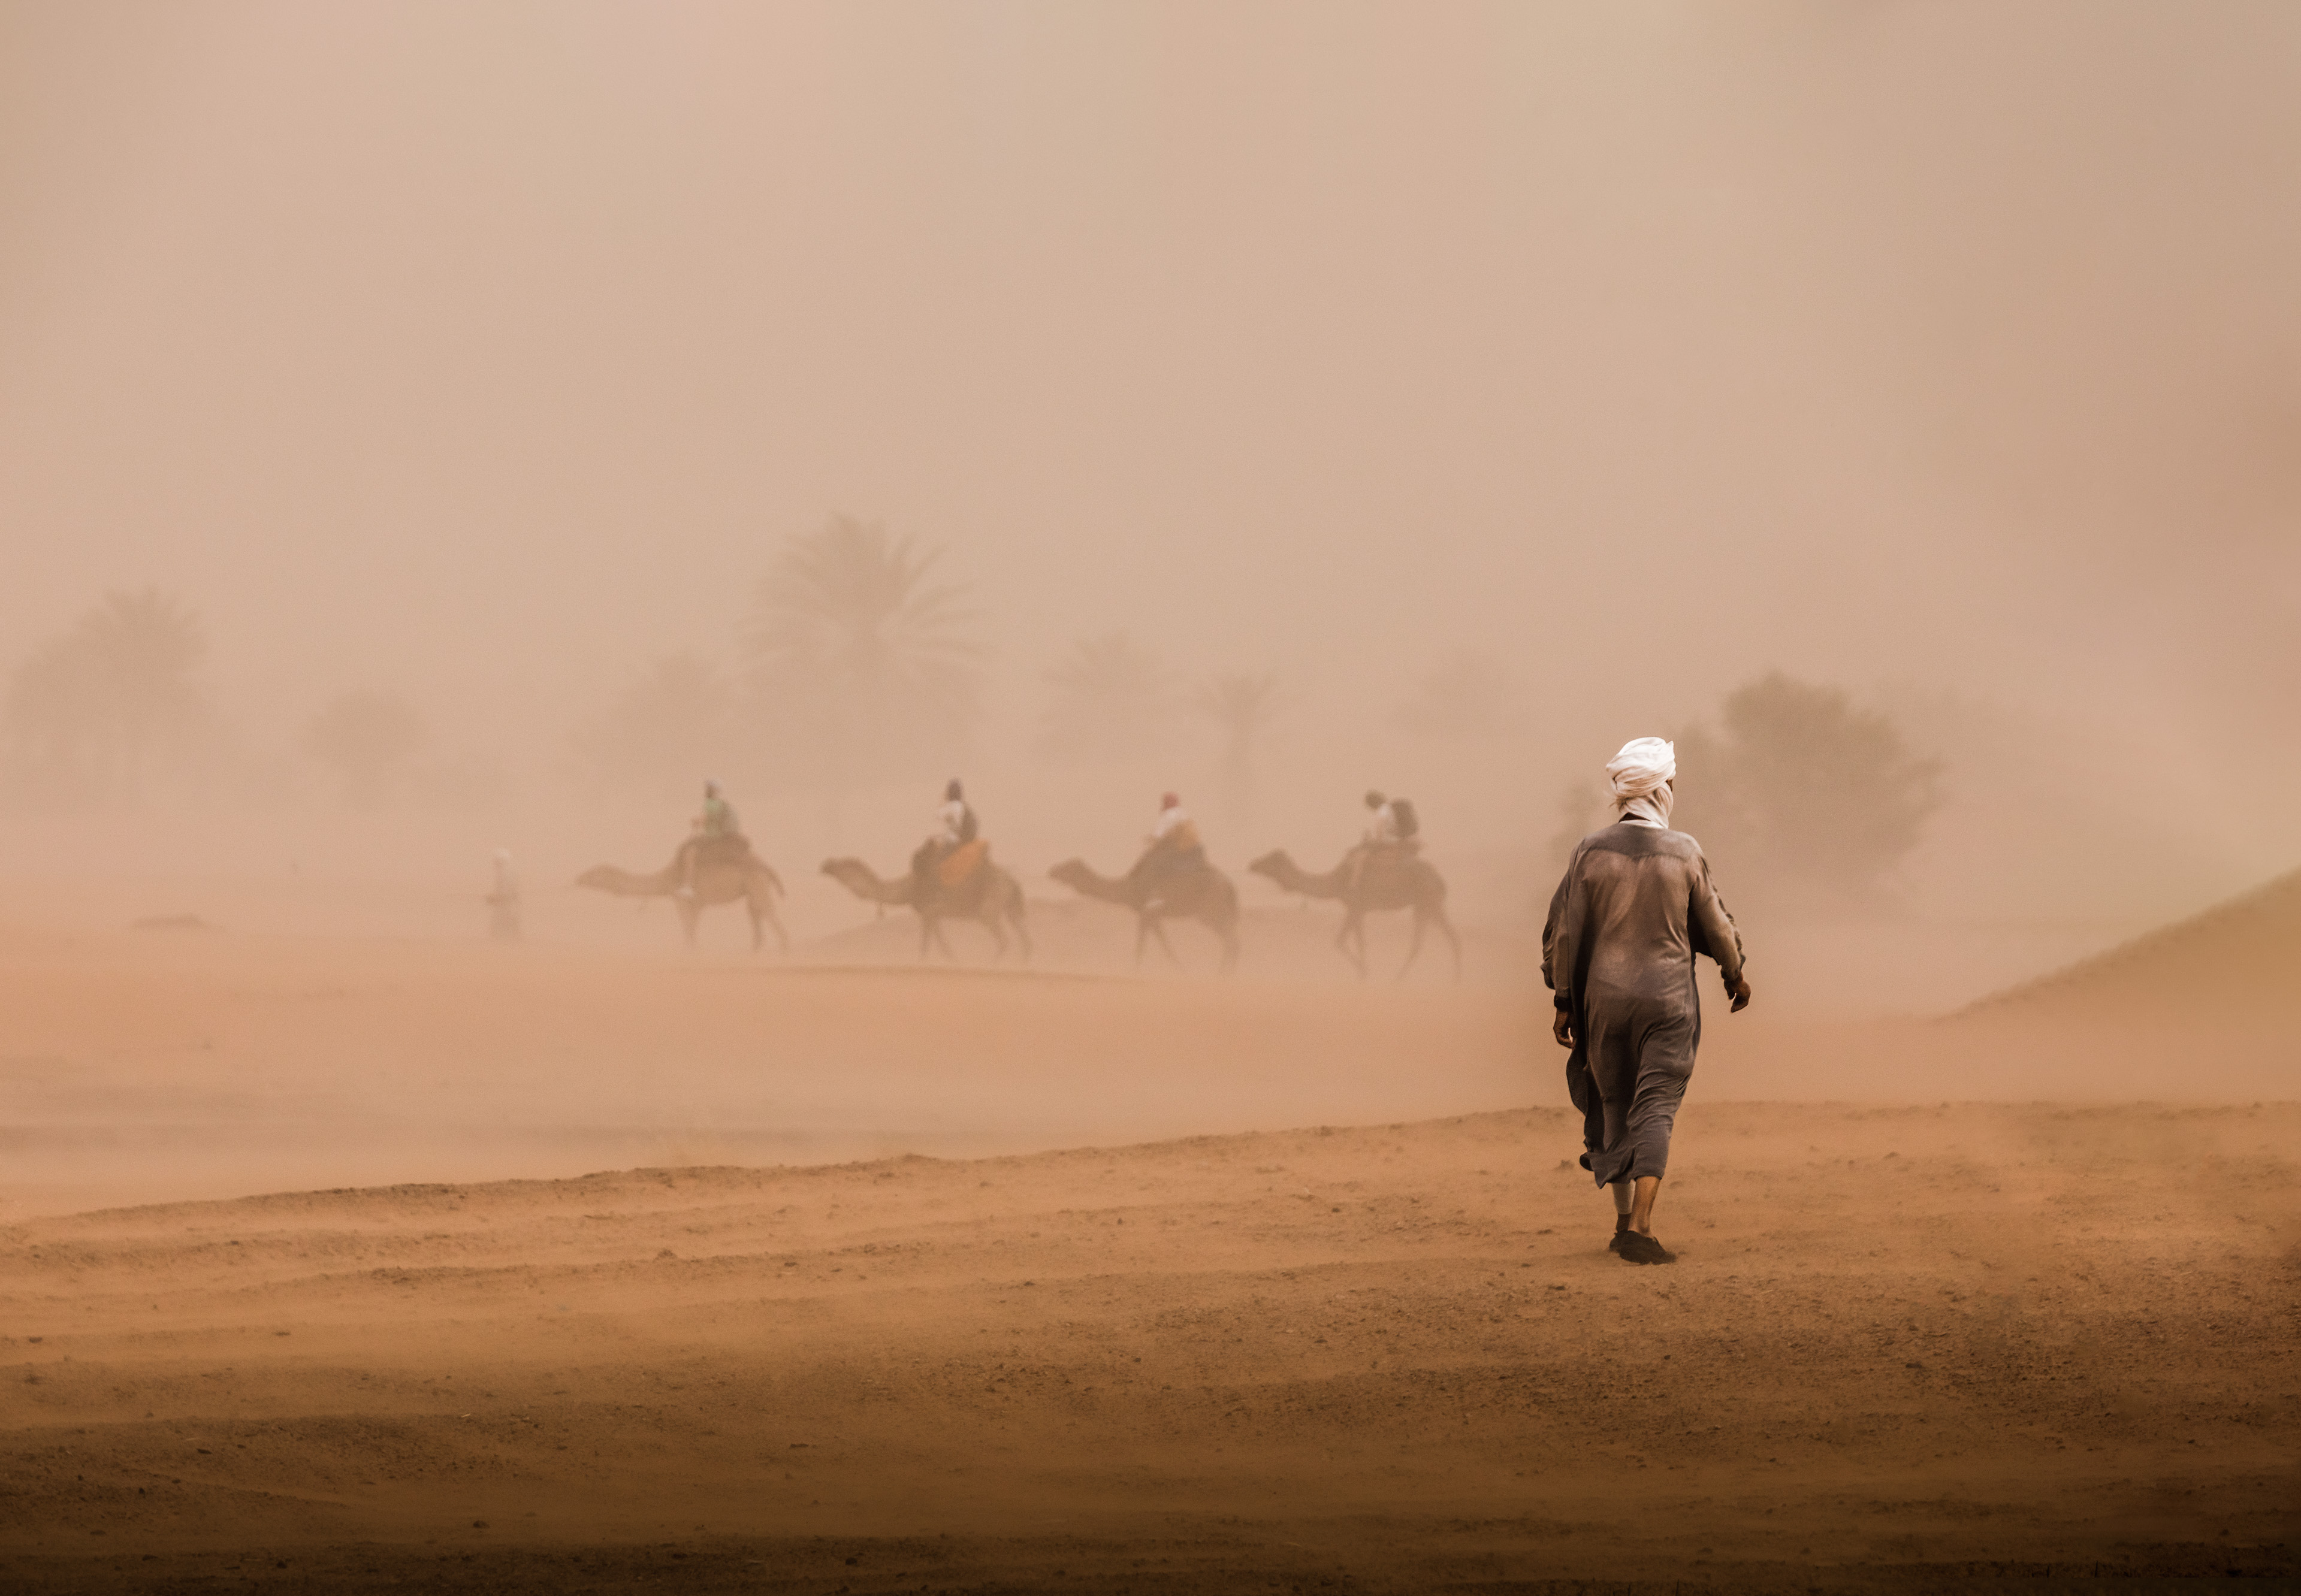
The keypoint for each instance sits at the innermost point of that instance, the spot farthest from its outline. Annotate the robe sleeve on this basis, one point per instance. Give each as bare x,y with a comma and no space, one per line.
1710,929
1558,954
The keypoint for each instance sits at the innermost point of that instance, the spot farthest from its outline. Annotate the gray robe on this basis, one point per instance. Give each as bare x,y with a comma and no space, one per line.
1636,905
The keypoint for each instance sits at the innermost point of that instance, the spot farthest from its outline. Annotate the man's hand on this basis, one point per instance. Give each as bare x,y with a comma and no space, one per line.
1741,995
1562,1026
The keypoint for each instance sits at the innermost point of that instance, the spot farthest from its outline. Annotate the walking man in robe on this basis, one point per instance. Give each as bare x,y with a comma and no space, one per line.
1635,906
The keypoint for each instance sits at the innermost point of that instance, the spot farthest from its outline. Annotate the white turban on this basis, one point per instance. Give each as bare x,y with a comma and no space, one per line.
1641,774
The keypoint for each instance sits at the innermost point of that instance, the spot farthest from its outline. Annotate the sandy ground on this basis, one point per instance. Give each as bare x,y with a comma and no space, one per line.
1904,1341
1914,1341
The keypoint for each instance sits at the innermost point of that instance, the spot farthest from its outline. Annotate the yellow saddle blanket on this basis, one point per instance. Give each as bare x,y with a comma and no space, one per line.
963,862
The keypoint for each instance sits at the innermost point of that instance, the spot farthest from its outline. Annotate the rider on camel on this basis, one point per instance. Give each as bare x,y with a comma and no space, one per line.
718,833
955,828
1174,846
1390,831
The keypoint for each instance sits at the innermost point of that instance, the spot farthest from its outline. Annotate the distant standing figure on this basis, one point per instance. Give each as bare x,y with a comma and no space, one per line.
503,900
1635,906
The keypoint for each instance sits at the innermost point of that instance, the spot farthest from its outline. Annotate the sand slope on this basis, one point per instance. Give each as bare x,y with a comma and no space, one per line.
2235,959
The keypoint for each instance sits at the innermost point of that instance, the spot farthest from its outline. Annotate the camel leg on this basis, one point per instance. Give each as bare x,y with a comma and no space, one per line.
1353,923
761,898
1015,918
689,914
1452,940
1229,935
1141,936
1413,947
1158,930
998,937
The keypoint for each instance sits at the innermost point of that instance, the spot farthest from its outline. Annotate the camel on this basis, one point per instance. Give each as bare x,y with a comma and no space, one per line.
749,881
1205,894
989,895
1389,881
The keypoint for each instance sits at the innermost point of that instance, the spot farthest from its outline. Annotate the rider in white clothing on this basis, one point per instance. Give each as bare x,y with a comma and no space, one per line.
1384,827
1171,816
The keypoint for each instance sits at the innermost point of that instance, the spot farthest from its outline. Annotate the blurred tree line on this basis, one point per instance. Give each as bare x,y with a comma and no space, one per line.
102,712
1797,795
111,714
857,662
1799,787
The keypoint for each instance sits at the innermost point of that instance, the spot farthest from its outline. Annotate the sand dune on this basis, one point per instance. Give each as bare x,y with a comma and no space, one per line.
2235,960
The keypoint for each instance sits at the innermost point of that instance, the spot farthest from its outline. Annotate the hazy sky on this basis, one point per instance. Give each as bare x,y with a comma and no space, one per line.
483,351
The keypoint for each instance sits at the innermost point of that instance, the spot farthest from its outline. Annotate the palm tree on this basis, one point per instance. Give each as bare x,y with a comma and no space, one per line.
1243,708
1112,696
94,706
857,655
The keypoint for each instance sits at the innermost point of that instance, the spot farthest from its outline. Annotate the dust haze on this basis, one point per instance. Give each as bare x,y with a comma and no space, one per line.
435,430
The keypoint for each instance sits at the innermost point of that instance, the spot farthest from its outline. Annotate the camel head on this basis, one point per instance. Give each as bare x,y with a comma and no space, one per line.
864,881
1071,873
604,878
1277,864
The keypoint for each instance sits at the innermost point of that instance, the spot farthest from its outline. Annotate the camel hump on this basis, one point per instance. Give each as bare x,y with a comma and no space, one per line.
962,861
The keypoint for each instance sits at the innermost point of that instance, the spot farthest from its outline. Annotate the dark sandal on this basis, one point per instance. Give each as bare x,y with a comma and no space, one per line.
1636,1249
